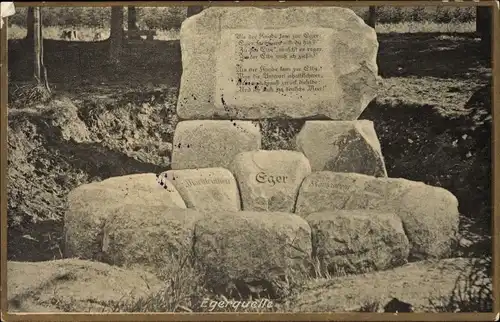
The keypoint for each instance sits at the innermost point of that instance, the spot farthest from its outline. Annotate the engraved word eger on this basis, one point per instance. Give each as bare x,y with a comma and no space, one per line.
262,177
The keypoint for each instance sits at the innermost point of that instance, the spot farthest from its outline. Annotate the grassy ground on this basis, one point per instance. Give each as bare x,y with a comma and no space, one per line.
106,121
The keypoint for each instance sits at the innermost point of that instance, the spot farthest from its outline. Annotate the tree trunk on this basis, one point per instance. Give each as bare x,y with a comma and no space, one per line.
132,18
37,41
39,72
116,34
30,23
484,26
483,19
193,10
479,19
132,21
42,64
478,15
372,16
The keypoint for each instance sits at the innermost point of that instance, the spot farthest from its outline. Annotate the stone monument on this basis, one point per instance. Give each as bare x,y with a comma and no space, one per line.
241,65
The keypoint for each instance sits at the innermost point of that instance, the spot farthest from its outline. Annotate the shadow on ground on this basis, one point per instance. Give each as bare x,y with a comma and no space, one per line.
419,144
440,55
85,63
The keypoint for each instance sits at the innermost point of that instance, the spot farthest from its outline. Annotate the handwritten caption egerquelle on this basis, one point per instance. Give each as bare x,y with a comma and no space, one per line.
236,305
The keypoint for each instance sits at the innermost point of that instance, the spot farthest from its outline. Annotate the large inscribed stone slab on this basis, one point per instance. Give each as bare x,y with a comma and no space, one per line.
252,63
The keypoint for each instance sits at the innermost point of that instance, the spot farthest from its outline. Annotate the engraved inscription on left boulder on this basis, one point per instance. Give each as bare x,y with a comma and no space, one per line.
206,189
